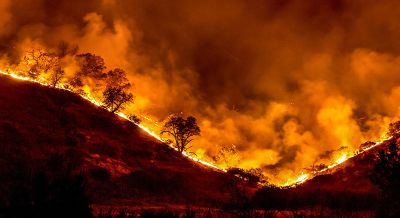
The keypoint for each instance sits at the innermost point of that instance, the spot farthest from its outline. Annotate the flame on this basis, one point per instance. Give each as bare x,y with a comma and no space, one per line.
88,97
297,180
339,161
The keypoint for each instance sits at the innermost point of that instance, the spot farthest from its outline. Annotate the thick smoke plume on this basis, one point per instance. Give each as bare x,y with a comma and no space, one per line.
287,84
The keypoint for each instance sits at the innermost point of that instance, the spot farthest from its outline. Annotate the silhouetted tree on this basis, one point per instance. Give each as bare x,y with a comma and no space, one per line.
182,131
56,76
386,176
91,66
76,82
114,98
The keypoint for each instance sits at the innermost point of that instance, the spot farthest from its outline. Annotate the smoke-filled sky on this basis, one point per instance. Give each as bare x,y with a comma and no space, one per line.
288,83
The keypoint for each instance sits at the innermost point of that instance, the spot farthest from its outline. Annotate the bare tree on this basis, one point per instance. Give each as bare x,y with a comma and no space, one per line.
56,76
182,131
116,94
115,98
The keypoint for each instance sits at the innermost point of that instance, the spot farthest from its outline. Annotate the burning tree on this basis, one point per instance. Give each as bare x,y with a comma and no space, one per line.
39,61
115,98
56,76
182,131
116,95
117,78
91,65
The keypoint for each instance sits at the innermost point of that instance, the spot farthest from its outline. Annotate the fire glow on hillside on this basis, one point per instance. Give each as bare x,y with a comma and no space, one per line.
340,160
291,182
88,97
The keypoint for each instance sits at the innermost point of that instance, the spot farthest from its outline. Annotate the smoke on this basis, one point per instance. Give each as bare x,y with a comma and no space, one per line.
288,83
5,16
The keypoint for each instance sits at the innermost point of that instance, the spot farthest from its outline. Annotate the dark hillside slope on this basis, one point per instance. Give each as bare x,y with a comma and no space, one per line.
55,131
351,176
347,186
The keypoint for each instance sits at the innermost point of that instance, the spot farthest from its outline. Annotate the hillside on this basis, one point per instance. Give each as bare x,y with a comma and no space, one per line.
350,176
344,188
48,131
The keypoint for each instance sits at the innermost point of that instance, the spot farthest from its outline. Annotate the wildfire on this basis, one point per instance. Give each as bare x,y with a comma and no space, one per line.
291,182
340,160
297,180
89,98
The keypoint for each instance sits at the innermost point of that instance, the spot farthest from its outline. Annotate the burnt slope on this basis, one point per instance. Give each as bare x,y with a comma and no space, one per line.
55,131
